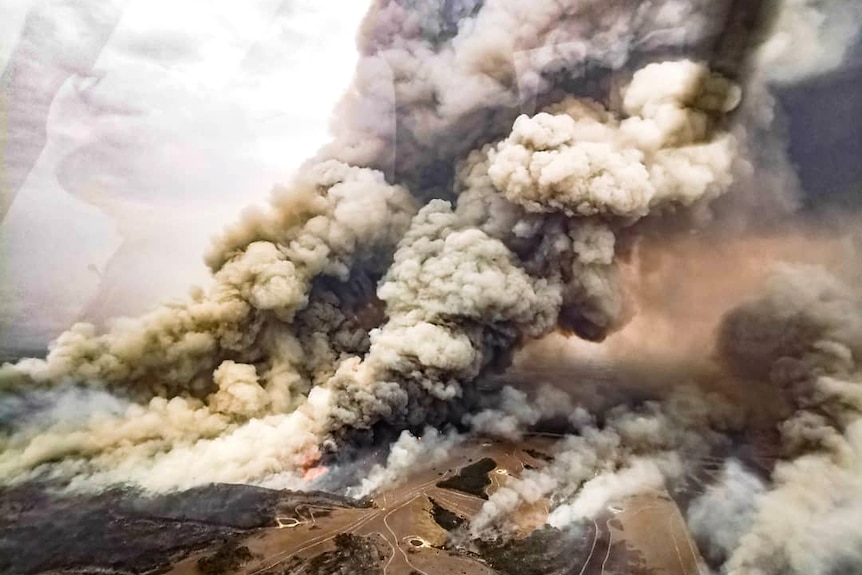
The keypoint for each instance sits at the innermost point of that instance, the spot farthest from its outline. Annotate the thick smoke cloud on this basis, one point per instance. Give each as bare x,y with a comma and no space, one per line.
632,451
459,73
105,224
292,302
720,516
491,164
810,37
800,339
584,163
804,335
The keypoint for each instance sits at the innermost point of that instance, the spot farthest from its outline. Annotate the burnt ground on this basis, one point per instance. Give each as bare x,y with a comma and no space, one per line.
472,479
353,555
227,559
545,551
445,518
124,531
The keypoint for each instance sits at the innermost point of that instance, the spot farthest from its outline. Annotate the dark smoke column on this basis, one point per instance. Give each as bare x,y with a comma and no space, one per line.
479,227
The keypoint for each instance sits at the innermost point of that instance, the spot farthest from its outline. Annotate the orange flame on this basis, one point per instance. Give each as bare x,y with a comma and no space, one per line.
314,472
310,465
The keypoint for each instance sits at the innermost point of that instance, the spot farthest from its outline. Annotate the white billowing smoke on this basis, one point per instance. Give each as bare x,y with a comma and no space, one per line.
720,516
289,309
516,412
585,162
441,230
594,496
404,455
632,452
810,37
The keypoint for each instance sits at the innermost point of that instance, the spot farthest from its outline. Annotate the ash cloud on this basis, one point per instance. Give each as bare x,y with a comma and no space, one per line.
803,335
492,164
468,282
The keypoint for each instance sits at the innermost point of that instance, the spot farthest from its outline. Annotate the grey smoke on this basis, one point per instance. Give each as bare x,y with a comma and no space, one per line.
281,319
719,518
804,335
442,229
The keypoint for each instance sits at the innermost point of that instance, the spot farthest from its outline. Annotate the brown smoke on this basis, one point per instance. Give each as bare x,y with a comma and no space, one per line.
284,333
804,336
492,165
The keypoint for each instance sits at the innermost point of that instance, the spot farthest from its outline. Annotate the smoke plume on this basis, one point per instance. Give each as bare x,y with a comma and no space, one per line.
464,288
492,164
632,451
803,335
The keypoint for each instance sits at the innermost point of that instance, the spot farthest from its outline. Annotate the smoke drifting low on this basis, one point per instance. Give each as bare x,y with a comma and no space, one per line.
442,230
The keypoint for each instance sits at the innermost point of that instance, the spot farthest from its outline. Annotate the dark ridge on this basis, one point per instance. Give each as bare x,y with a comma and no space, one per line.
240,506
472,479
41,531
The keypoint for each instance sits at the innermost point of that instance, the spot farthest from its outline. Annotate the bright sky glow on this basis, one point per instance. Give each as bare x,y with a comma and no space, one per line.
193,110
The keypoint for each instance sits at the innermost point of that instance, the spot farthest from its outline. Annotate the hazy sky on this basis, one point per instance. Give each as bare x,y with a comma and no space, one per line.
162,118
